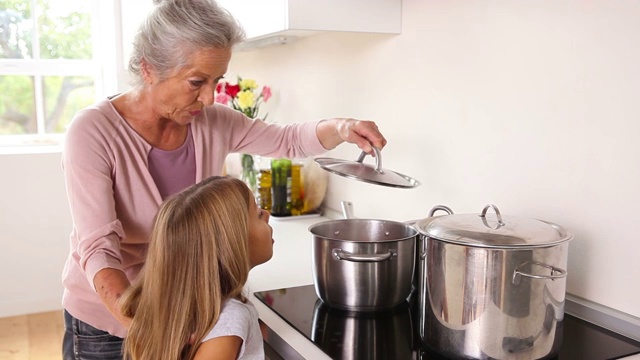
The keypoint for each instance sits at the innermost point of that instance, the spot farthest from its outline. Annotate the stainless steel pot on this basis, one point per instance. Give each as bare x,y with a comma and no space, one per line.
346,334
492,286
363,264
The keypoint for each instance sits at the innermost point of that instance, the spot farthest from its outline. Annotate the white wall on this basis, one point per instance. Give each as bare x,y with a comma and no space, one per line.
34,233
532,106
528,105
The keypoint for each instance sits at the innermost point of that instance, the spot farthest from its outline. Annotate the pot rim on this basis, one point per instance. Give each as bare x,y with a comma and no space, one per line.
566,237
412,232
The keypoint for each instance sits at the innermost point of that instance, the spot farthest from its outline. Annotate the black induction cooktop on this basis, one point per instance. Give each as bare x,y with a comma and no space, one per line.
392,334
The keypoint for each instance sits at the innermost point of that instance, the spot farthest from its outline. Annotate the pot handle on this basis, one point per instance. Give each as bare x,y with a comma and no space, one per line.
440,207
423,243
340,254
556,273
347,209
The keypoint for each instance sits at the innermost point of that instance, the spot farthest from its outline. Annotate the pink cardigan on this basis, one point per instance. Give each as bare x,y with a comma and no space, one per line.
113,198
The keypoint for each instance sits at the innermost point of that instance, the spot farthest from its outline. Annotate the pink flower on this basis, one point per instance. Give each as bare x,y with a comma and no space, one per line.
266,93
223,98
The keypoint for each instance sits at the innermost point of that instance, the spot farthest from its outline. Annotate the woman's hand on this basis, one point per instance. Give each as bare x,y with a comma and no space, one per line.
363,133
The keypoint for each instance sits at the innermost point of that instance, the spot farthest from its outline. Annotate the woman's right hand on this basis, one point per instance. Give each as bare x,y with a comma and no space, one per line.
364,133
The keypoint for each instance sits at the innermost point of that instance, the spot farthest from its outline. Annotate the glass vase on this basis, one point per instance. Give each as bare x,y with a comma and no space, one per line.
249,172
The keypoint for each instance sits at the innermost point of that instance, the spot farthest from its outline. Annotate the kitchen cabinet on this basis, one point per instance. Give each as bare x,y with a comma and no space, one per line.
264,19
276,21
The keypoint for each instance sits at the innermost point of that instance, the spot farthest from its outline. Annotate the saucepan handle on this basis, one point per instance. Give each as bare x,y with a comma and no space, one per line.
347,209
556,273
340,254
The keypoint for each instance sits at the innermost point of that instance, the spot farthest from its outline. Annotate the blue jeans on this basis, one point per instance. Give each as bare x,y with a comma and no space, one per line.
84,342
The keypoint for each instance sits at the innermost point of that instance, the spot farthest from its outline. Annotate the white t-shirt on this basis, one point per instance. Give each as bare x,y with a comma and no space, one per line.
240,319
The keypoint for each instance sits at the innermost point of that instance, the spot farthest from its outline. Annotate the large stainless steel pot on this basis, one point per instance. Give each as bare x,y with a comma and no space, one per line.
492,286
344,334
363,264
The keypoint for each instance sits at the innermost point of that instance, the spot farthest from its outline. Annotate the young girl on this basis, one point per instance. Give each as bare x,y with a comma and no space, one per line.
188,302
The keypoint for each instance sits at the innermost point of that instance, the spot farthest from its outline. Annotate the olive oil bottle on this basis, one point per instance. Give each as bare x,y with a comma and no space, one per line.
280,187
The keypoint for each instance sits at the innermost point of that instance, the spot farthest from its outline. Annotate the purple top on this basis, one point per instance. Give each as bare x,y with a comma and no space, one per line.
173,170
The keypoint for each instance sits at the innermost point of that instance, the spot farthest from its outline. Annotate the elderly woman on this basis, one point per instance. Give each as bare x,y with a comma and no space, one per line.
125,154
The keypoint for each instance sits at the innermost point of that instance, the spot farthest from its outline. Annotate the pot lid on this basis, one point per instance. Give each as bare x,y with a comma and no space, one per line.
357,170
493,230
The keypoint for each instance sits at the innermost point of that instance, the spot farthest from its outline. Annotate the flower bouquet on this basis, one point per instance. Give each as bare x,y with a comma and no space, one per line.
244,97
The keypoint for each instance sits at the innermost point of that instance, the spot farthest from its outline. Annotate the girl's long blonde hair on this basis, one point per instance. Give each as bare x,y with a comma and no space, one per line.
198,257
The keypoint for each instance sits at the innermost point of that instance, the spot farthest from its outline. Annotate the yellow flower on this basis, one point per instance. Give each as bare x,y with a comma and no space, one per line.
248,84
246,99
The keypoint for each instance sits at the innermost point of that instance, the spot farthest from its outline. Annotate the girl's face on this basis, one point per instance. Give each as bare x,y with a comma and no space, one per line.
181,97
260,235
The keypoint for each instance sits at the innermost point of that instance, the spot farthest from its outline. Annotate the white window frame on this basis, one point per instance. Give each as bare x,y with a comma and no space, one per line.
103,67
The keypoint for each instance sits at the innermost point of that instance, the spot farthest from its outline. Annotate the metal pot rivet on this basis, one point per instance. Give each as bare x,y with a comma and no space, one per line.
336,233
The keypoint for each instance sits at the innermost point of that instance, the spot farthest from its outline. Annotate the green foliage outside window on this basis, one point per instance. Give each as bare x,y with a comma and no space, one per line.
64,34
17,114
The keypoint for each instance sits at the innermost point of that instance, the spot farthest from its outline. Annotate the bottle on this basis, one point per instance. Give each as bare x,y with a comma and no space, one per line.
264,189
297,191
280,187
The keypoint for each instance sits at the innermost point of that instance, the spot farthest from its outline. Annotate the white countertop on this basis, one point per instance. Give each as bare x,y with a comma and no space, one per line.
290,266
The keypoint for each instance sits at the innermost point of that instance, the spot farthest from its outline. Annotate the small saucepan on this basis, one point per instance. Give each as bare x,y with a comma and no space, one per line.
363,264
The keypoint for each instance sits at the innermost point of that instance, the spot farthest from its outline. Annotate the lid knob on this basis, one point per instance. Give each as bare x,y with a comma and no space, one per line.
483,215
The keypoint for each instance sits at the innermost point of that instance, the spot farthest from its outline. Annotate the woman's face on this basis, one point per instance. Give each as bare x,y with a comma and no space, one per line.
260,235
187,90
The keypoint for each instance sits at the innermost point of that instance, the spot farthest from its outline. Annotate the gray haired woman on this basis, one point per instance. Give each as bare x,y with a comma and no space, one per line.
127,153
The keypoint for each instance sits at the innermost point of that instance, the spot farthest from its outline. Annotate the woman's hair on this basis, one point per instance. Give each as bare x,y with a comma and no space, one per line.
198,257
176,28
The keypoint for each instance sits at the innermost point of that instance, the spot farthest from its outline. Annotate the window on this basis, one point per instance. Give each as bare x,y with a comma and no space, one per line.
49,67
